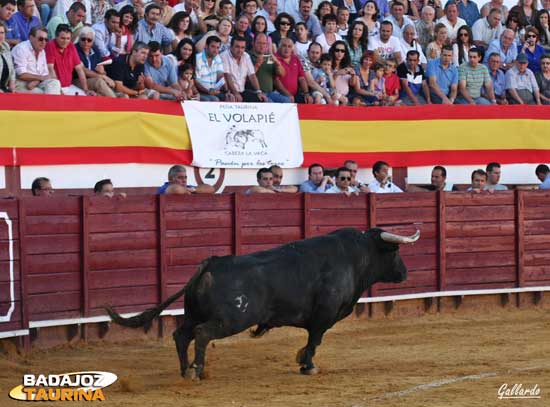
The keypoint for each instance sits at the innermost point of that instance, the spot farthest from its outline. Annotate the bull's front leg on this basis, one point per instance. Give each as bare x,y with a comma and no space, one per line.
183,336
304,357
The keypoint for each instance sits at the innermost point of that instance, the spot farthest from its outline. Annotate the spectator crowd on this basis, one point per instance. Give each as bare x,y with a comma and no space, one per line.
339,52
345,181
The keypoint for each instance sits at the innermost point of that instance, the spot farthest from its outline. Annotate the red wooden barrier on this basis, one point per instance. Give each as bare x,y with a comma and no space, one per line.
74,254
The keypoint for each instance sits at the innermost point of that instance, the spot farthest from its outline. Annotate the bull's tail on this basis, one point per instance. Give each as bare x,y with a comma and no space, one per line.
146,317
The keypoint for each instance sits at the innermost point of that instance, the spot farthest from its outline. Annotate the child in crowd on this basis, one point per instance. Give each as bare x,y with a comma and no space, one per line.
378,83
302,42
186,82
392,83
323,76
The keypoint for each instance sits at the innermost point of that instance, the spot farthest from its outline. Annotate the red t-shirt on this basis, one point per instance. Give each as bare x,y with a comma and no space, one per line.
63,62
392,84
294,70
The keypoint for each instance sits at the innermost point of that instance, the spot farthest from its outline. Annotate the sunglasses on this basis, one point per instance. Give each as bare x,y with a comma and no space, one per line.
87,39
340,50
531,36
284,23
345,178
42,39
463,35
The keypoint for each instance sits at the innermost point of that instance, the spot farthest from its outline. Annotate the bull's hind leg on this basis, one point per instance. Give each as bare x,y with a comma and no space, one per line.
183,336
203,334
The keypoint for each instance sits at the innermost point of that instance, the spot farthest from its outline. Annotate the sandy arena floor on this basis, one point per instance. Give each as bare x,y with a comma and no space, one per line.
438,360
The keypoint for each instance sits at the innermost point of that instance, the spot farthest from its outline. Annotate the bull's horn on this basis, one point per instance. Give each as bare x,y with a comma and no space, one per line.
391,238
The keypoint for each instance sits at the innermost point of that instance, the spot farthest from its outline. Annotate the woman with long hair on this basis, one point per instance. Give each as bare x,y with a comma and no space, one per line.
542,24
342,71
207,12
7,69
357,40
532,49
180,24
514,23
284,28
464,41
259,25
123,39
433,50
528,9
371,14
185,52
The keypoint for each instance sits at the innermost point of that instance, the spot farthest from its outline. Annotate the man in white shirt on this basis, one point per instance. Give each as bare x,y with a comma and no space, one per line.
398,19
386,45
343,183
451,20
238,68
31,67
382,183
488,29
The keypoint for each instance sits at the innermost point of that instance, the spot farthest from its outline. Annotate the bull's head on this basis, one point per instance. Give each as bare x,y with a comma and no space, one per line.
388,265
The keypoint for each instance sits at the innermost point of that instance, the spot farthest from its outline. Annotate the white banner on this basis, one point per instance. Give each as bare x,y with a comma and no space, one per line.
244,135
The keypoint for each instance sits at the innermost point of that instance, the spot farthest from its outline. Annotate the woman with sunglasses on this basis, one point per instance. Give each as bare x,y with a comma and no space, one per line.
543,79
464,41
542,24
530,48
371,14
207,12
342,71
7,70
284,28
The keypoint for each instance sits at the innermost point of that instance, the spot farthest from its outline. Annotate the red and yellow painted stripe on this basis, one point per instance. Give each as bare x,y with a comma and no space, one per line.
48,130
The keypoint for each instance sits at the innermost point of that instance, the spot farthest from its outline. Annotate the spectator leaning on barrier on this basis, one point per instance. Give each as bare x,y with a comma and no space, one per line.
318,181
493,177
105,188
543,174
438,182
353,167
31,67
382,183
277,172
41,187
264,176
479,180
343,183
177,183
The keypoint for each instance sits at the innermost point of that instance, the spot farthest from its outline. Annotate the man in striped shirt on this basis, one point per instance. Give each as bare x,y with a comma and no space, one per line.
472,76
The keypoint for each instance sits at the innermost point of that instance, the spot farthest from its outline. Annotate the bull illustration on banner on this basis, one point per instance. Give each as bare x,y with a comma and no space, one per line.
240,138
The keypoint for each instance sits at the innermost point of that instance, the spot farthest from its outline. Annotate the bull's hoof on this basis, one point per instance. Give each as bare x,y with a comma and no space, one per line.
300,356
194,374
309,371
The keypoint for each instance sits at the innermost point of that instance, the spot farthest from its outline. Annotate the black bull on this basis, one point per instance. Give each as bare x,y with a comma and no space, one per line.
310,284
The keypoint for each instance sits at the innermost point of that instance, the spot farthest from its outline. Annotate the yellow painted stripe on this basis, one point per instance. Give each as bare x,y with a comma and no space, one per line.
94,129
373,136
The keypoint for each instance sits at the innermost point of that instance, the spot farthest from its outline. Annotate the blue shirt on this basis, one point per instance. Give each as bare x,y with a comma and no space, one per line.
505,57
533,57
546,183
21,27
309,186
159,33
162,189
445,77
468,12
499,83
166,75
